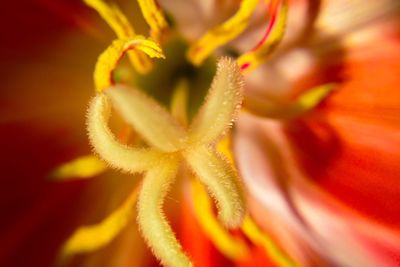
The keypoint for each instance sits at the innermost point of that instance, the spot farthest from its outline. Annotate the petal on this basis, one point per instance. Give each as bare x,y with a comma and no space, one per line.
349,146
38,215
122,28
151,219
90,238
221,181
339,17
193,17
223,33
81,167
309,216
105,144
222,102
108,60
149,119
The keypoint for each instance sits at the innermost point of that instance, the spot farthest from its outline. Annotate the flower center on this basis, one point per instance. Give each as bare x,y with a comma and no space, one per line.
162,81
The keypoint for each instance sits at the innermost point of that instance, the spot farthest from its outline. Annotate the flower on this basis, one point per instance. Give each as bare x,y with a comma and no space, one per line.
283,116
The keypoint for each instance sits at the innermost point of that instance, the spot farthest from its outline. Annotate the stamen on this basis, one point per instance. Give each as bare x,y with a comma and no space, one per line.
123,29
231,246
312,97
221,181
275,32
223,33
222,103
80,168
88,166
108,60
179,102
252,231
114,17
154,17
93,237
304,103
151,219
118,155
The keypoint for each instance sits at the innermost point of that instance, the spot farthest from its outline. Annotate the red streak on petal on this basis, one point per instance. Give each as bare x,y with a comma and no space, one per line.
244,66
273,12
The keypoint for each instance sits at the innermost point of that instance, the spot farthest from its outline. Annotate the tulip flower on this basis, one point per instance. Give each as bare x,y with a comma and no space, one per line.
288,158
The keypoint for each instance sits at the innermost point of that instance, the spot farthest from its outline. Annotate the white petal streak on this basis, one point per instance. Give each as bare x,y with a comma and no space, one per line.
106,145
148,118
221,105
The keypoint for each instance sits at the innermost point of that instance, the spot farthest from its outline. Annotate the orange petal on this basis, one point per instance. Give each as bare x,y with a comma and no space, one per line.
313,216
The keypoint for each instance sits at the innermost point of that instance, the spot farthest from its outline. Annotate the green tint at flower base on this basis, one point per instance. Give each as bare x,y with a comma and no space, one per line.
166,74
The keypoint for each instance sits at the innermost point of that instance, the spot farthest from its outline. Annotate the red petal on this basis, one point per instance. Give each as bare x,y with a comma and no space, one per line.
351,144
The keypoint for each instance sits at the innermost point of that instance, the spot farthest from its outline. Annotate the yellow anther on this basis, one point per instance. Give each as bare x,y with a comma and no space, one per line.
108,60
154,17
252,231
179,102
123,29
114,17
90,238
275,32
79,168
231,246
223,33
304,103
